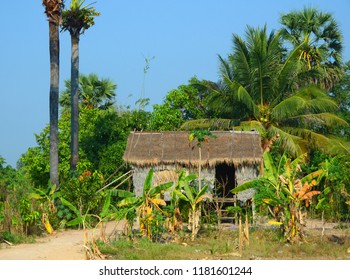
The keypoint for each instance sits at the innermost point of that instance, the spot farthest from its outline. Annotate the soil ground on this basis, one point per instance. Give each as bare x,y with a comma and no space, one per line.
68,244
61,245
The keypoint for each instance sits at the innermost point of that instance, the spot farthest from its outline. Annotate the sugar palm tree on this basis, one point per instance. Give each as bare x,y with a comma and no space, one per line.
321,53
53,10
93,92
76,20
260,82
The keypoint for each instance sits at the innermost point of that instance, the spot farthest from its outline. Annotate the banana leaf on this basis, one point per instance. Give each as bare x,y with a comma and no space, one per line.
160,188
254,184
75,222
128,201
122,193
70,206
181,195
201,195
148,181
106,205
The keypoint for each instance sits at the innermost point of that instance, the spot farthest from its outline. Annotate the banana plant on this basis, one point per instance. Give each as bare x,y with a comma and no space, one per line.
174,220
47,206
194,197
146,205
86,220
283,188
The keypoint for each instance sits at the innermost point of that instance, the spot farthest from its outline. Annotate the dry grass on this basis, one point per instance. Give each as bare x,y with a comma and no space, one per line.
223,244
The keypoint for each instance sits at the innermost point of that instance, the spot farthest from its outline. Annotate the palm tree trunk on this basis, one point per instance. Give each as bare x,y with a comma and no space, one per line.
74,102
54,92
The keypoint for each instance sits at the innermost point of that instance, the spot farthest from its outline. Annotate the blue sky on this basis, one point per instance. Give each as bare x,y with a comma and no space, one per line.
183,36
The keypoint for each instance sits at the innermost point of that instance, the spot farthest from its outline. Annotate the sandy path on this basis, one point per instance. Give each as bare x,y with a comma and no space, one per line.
63,245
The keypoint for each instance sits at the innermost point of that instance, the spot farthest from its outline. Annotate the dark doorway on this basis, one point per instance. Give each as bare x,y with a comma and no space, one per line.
224,179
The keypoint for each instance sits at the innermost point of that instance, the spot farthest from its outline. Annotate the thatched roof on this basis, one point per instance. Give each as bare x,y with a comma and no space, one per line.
157,148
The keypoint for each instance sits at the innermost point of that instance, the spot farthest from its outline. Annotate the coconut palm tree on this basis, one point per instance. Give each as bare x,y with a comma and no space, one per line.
321,53
76,20
259,81
53,11
93,92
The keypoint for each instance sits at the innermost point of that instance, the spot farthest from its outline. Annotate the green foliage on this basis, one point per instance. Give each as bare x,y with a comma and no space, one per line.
81,190
2,213
45,203
288,191
94,92
88,219
148,207
261,85
194,197
30,217
15,238
201,136
17,212
165,118
78,18
335,185
321,54
187,102
340,92
102,136
64,213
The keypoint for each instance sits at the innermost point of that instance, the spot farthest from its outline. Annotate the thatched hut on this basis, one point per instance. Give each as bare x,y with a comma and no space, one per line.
229,159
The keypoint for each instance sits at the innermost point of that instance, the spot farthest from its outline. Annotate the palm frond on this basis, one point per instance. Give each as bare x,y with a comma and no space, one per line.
324,119
317,100
287,141
287,74
252,125
210,124
224,68
314,139
339,146
287,108
240,60
234,91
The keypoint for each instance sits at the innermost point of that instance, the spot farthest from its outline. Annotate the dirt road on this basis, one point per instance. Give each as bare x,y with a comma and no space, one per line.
62,245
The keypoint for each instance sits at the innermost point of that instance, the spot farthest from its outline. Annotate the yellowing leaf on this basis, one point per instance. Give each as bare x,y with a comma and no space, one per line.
348,202
266,200
159,201
203,197
47,225
274,223
313,183
309,195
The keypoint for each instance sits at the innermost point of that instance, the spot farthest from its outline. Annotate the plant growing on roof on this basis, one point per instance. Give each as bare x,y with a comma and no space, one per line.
201,136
